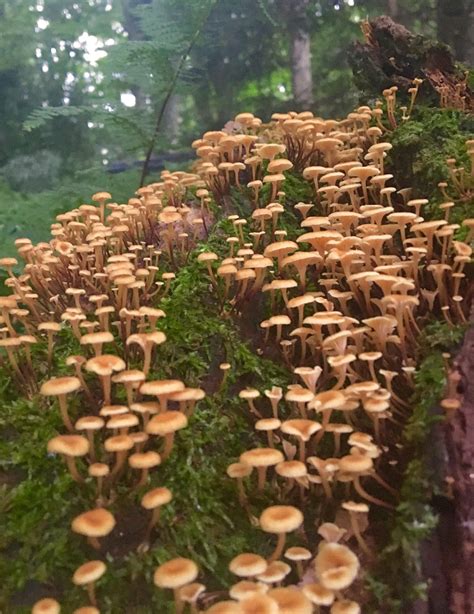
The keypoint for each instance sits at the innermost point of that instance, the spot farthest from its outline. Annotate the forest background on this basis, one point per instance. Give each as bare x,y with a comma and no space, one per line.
85,84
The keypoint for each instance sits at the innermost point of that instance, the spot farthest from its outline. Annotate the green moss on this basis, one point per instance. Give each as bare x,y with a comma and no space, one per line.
420,149
396,582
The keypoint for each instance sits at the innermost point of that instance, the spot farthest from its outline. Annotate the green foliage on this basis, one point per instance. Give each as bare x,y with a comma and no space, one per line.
396,581
421,147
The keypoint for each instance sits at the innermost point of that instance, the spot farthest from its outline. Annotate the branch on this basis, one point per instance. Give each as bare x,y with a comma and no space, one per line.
169,93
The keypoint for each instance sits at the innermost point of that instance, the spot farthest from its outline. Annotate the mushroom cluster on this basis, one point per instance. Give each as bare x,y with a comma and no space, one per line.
340,285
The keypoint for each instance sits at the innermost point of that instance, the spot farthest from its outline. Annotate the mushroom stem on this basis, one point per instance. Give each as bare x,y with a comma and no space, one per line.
64,413
358,535
91,592
365,495
143,478
169,440
179,603
155,517
119,462
94,542
241,491
106,386
278,548
71,465
262,474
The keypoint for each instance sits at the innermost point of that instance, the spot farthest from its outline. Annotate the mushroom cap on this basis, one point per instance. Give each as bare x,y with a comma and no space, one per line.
301,428
245,588
69,445
60,385
163,387
352,506
267,424
336,566
225,607
275,572
317,594
238,470
98,470
105,364
345,607
94,523
87,609
89,423
175,573
144,460
297,553
156,498
49,326
261,457
89,572
113,410
122,421
190,592
291,469
280,519
98,337
258,603
290,600
248,564
118,443
355,463
46,606
166,423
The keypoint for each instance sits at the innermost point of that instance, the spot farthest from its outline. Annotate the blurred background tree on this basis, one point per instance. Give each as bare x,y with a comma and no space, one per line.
89,87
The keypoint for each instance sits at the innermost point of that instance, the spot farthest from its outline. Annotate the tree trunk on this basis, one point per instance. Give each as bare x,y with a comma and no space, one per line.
301,76
455,20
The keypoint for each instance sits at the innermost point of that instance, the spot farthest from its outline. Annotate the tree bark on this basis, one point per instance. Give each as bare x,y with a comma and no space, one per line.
455,21
301,75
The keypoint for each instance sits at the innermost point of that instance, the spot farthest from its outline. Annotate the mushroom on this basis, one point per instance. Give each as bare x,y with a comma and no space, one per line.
70,447
94,524
46,606
174,575
154,500
357,508
290,600
104,366
238,471
336,566
144,461
87,575
166,424
280,519
261,459
60,387
248,565
298,555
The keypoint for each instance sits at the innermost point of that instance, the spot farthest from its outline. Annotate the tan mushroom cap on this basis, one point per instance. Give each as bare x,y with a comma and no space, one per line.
146,407
191,592
297,553
60,385
248,564
98,470
46,606
225,607
301,428
162,387
336,566
345,607
122,421
156,497
245,588
89,572
280,519
166,423
98,337
118,443
267,424
130,376
89,423
113,410
70,445
261,457
175,573
49,326
290,600
275,572
355,463
291,469
352,506
94,523
258,604
105,364
317,594
144,460
238,470
88,609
